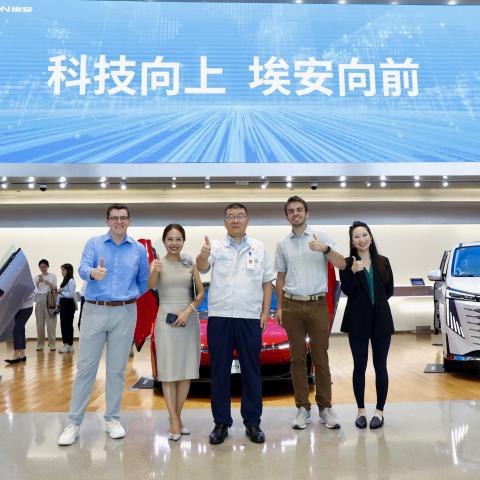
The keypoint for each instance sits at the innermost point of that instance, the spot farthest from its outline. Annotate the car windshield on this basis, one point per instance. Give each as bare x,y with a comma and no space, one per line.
466,262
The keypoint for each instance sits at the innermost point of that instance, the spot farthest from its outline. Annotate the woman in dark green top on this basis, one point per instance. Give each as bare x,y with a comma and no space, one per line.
368,283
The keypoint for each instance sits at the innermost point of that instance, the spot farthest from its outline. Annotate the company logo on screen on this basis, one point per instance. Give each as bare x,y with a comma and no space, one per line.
15,9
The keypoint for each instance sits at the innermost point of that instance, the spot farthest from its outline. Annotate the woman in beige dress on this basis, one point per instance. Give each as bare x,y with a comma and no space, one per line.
177,343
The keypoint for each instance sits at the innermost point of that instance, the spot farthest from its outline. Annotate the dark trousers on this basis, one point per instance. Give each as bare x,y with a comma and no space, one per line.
244,335
67,312
21,318
380,347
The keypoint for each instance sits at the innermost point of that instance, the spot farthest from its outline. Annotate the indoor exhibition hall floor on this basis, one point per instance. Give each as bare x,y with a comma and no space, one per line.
432,426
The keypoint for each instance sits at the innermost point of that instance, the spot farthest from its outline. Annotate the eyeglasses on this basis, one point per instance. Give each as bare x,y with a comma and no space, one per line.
231,218
119,219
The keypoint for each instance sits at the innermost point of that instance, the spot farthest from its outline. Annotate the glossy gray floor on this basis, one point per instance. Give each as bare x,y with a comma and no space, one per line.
419,441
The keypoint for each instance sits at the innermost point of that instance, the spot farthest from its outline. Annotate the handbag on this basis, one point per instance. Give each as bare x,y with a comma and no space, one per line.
52,300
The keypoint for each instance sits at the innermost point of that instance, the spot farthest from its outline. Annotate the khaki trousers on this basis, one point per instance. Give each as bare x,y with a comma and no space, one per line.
42,317
302,319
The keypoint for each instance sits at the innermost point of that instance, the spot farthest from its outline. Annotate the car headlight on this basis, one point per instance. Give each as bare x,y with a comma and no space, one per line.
461,295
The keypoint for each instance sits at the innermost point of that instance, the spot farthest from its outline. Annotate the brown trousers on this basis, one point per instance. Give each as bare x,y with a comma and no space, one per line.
302,319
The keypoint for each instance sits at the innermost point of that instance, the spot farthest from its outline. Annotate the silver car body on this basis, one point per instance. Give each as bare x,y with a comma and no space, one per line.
457,302
16,285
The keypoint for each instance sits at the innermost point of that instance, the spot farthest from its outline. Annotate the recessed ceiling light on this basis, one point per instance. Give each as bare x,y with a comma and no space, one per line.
103,184
445,183
416,184
207,184
63,185
264,185
31,185
343,184
4,185
289,184
123,186
174,185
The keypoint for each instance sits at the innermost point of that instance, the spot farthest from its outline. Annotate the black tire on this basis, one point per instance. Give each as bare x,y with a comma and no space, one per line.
450,366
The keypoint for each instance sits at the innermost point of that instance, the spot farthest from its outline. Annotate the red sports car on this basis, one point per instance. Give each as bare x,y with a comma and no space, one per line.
275,353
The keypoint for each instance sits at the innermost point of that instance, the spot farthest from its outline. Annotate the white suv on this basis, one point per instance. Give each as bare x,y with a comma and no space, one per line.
457,304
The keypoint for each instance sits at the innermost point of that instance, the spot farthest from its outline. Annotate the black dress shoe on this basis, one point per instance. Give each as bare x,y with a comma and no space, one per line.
13,361
361,421
255,434
218,434
376,422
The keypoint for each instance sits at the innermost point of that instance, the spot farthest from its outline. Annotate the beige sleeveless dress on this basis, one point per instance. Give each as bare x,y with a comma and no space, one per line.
178,348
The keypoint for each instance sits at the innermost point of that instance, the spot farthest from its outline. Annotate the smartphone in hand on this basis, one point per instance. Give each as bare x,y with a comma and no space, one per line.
171,318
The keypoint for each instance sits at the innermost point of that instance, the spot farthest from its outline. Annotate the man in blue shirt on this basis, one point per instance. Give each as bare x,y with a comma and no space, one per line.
116,268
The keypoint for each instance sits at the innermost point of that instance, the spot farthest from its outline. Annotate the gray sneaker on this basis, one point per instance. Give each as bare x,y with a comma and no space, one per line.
302,419
328,418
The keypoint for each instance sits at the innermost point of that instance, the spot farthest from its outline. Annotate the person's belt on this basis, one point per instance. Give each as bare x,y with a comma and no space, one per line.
305,298
115,303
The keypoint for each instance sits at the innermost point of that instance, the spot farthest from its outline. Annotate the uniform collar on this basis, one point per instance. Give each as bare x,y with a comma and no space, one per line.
228,241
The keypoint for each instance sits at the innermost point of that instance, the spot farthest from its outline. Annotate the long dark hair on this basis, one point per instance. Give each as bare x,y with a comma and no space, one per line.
372,249
69,268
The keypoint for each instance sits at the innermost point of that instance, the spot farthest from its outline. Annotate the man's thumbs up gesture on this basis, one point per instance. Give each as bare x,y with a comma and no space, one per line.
100,272
206,249
316,245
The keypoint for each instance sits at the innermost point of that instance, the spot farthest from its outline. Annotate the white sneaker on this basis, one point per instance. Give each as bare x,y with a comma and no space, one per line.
114,429
69,435
70,349
40,348
302,419
64,349
328,418
52,348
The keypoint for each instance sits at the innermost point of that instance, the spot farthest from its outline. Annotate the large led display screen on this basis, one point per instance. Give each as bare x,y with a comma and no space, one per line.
105,82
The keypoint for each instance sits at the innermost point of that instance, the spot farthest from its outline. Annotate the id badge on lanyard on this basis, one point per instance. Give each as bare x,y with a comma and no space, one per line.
250,261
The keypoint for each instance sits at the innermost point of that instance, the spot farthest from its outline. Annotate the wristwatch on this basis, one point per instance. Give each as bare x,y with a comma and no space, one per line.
327,251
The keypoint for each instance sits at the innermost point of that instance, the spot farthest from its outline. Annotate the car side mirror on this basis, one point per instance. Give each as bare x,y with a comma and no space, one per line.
435,275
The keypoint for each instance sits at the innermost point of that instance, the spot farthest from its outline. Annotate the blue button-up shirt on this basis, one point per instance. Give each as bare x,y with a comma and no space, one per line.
126,264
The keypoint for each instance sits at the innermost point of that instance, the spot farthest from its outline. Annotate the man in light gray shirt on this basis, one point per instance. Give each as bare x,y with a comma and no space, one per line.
301,261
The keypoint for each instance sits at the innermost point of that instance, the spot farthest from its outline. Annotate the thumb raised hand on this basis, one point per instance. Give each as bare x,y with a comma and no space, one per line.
207,241
315,237
101,263
157,256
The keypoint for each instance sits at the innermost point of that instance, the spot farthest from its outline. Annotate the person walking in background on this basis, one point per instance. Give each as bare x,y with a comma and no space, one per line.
116,268
301,262
177,328
239,301
19,341
368,283
45,283
66,305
